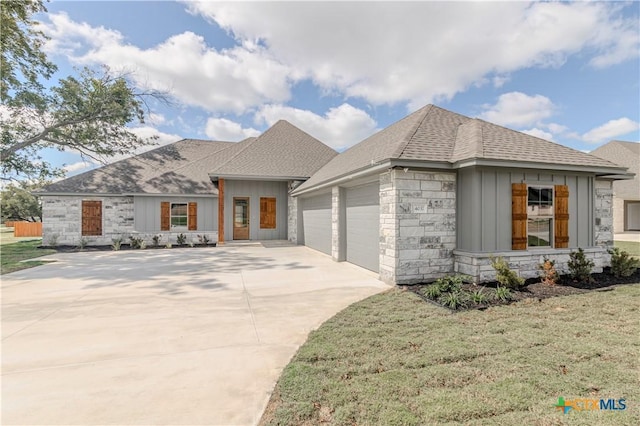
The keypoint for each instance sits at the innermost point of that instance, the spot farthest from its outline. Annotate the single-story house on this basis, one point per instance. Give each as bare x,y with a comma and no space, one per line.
433,194
626,193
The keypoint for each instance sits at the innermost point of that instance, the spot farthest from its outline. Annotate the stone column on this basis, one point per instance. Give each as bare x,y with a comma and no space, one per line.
338,224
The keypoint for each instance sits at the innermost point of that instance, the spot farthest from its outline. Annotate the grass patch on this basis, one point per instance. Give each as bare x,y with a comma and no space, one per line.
631,247
12,255
392,359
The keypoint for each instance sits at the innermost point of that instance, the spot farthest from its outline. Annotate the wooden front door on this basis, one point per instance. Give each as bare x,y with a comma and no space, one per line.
240,218
91,218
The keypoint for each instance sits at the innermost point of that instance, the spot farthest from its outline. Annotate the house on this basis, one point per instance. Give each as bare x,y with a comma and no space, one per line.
626,193
432,194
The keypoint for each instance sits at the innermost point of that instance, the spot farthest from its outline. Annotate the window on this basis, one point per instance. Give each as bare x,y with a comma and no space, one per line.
539,216
267,213
179,216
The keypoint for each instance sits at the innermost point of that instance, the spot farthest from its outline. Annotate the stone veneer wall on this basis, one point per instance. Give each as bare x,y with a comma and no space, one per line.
292,219
417,225
62,222
338,223
604,213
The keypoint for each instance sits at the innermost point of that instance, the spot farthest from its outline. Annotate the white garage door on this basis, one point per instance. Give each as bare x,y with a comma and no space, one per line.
363,226
316,222
633,216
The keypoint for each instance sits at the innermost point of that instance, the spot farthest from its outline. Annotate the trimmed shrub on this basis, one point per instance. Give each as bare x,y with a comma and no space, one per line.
579,266
548,273
622,263
504,275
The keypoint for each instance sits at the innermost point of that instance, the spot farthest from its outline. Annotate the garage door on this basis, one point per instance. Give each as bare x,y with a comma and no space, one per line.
633,216
363,226
316,222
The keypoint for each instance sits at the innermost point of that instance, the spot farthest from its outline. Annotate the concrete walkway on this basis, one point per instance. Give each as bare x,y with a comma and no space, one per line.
184,337
628,236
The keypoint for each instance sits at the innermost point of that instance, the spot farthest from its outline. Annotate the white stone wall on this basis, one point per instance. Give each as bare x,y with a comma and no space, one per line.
62,222
418,225
604,213
338,223
524,263
292,219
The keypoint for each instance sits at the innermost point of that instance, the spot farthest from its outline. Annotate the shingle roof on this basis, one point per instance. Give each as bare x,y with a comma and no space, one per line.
177,168
434,134
281,151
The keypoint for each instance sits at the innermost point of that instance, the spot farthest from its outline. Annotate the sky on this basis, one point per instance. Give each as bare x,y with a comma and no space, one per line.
567,72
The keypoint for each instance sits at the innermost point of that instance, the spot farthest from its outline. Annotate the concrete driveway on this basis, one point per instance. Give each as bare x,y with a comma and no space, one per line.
186,337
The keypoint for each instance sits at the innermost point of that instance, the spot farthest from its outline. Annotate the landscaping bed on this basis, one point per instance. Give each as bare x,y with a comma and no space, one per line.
76,249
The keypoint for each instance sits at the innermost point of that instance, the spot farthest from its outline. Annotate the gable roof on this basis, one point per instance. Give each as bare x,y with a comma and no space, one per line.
177,168
282,151
445,138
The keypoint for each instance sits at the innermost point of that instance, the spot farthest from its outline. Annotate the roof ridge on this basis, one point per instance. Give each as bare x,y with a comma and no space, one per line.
190,163
248,142
398,152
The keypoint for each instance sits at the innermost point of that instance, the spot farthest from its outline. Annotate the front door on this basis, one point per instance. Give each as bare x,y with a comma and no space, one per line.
240,218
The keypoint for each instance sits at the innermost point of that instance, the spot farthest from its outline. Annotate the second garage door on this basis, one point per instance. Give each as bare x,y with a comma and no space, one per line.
363,226
316,222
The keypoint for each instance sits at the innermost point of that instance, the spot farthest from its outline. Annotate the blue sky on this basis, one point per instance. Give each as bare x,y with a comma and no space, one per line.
567,72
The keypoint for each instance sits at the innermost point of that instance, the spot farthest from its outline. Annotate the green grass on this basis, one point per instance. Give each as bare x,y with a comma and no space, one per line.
6,236
12,255
393,359
632,247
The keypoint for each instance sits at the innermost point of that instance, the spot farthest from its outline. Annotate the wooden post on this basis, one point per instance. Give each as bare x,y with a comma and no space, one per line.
220,211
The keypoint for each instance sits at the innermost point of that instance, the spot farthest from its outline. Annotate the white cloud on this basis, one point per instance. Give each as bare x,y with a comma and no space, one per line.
222,129
610,130
74,168
234,79
387,52
556,128
155,119
539,133
518,109
339,128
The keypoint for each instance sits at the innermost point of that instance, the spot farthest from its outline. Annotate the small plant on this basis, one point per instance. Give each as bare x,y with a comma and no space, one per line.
191,244
135,242
82,243
433,291
579,266
503,294
548,273
450,283
53,240
168,245
143,245
116,243
478,297
504,275
181,239
453,299
622,264
203,239
156,240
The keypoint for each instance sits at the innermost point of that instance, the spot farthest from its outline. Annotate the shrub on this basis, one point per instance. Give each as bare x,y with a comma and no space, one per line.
478,297
450,283
203,239
143,245
82,243
622,264
135,242
579,266
548,273
181,239
453,299
156,240
504,275
53,240
432,291
168,245
503,294
116,243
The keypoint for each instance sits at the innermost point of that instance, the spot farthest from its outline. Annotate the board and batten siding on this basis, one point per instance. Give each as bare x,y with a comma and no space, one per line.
484,206
147,212
316,222
254,189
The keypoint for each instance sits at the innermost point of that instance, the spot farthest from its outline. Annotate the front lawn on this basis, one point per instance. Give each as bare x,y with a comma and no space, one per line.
12,255
393,359
632,247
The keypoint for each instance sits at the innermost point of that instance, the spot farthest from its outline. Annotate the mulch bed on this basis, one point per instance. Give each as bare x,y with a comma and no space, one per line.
534,289
123,247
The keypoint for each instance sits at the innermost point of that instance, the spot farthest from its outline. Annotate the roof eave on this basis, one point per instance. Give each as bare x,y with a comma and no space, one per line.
215,177
363,171
598,170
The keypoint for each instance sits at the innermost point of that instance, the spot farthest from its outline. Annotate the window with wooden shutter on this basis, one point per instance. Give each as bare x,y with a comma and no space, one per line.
165,216
267,213
193,217
561,216
91,218
518,216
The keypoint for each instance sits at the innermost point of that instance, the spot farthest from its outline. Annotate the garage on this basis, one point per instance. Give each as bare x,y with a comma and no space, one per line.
632,216
363,226
316,222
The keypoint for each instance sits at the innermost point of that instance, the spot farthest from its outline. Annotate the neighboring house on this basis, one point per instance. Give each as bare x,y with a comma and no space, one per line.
626,193
433,194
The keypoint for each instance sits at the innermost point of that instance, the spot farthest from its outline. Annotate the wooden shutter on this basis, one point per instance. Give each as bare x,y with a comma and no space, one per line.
165,216
518,216
91,218
267,213
192,220
561,207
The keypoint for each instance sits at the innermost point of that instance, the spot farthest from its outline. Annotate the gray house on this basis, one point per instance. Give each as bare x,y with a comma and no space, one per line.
433,194
626,193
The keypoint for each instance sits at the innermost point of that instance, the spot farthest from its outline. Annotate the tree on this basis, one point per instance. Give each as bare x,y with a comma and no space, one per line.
18,203
87,114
